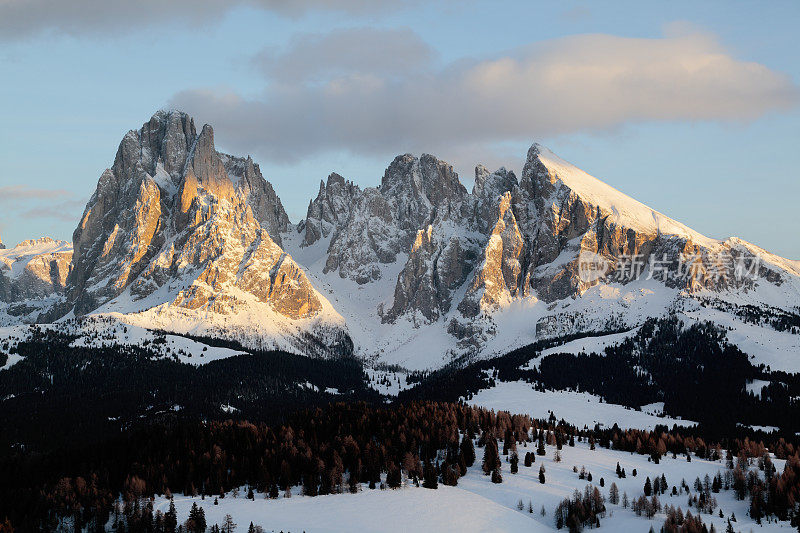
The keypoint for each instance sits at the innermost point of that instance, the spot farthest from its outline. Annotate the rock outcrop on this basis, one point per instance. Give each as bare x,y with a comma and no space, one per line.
33,278
559,220
177,226
548,237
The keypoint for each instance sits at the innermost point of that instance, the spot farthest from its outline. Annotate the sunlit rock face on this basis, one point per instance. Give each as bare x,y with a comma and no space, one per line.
33,276
179,236
499,277
569,215
176,222
549,236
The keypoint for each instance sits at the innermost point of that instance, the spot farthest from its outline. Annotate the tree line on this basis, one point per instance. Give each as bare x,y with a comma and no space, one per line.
323,450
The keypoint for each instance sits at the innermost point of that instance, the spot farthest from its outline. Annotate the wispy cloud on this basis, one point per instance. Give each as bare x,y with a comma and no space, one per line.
341,97
313,57
68,211
10,193
26,203
24,18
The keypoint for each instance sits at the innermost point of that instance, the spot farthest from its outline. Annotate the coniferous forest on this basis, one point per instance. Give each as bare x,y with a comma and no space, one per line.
693,370
128,422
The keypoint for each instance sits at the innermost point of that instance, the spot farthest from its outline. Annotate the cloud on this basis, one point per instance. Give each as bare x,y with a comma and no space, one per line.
23,192
313,57
582,83
23,18
32,203
69,211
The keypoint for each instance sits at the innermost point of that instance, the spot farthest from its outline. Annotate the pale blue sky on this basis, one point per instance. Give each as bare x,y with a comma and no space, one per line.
73,84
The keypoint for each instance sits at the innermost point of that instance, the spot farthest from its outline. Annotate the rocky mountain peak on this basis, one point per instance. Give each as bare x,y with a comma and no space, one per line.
206,234
537,179
166,138
41,240
205,164
426,179
331,207
334,180
493,184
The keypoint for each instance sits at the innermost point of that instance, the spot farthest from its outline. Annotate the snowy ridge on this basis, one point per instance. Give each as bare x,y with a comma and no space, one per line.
33,276
627,211
16,259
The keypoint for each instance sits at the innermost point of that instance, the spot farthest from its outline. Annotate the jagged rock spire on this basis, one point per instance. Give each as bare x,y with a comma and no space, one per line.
175,222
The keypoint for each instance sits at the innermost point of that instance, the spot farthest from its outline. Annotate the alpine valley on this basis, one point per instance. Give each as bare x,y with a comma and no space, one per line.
188,303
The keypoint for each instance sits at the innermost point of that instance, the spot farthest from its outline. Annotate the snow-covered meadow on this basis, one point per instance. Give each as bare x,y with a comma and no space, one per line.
579,408
477,504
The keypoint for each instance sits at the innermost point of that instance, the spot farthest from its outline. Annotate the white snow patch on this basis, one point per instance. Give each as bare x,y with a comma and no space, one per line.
110,331
755,386
13,359
579,408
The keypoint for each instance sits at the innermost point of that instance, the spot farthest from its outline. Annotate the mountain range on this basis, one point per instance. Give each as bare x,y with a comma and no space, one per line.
417,271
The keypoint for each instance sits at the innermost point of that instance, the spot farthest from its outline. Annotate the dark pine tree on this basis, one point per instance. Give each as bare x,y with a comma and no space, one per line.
394,477
491,457
170,518
197,519
468,450
430,477
450,475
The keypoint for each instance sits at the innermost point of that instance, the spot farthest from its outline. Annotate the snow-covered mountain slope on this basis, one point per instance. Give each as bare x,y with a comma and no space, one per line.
426,272
416,271
98,331
181,237
32,278
625,211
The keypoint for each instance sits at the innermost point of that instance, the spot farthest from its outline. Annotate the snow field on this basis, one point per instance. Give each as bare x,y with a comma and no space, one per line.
579,408
478,505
